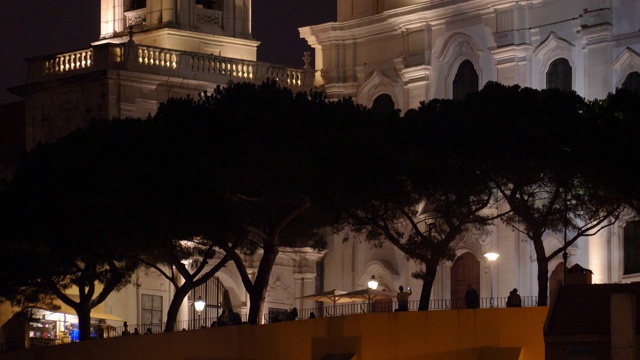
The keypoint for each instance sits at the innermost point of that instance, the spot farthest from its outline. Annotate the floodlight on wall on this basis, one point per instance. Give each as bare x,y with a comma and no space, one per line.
199,304
373,282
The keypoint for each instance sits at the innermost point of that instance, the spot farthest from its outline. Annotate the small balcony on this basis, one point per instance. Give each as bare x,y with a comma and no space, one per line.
164,62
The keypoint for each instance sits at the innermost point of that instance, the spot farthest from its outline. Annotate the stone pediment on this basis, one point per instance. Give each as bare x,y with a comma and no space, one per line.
553,46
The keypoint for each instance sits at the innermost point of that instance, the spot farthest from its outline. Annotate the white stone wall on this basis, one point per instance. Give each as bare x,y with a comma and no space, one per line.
411,50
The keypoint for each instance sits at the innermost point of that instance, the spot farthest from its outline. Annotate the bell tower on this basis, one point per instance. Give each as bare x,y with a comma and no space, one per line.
212,27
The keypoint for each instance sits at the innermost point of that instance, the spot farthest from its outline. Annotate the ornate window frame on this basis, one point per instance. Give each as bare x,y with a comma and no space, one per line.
552,48
627,62
457,48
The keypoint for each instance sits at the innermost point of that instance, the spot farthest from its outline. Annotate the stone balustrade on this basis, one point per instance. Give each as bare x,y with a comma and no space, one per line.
166,62
69,62
157,57
136,17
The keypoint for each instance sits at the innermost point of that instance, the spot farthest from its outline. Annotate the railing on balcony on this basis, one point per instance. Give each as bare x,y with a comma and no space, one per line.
136,17
158,57
69,62
208,17
167,62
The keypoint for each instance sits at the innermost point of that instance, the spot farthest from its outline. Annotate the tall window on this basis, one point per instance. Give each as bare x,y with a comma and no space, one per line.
137,4
632,247
559,75
632,82
151,310
466,80
210,4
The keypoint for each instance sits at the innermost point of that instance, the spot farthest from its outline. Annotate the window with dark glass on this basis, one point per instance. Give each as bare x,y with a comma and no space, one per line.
632,247
466,80
151,309
632,82
136,4
559,75
210,4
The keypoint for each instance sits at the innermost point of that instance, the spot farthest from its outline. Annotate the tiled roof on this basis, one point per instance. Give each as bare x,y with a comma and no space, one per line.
584,309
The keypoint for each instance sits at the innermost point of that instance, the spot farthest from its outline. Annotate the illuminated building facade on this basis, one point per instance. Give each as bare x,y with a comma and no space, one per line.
396,53
383,53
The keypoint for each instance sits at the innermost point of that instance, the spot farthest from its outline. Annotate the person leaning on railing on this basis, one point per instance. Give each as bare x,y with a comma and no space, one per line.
403,299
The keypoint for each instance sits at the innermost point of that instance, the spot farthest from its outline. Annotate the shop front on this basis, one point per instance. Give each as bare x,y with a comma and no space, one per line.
52,327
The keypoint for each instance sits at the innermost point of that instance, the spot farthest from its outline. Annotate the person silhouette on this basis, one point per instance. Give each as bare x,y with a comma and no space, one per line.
403,299
471,298
514,300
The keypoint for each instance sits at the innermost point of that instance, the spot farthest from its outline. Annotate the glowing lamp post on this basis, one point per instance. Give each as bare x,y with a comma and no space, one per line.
491,257
199,305
373,283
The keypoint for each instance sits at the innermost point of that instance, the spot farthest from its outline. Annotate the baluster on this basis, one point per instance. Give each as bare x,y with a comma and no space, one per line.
174,61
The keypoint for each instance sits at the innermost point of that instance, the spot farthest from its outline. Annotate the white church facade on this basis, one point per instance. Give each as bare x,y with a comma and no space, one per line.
380,52
402,52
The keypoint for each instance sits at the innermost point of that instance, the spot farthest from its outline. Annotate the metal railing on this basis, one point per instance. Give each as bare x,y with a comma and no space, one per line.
324,310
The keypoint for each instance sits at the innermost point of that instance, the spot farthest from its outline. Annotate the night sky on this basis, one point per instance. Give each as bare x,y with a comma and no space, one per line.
39,27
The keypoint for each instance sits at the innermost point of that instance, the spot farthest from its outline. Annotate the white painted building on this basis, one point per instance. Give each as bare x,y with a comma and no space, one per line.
378,52
408,51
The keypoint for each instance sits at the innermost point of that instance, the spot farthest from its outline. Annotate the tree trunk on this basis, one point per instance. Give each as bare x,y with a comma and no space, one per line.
425,294
543,280
258,291
84,321
174,307
427,285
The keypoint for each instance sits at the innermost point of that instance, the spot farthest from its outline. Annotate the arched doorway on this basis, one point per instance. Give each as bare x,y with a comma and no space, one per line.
555,281
464,272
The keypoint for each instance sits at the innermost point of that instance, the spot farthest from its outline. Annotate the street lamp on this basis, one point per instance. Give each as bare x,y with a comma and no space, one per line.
199,305
373,283
491,257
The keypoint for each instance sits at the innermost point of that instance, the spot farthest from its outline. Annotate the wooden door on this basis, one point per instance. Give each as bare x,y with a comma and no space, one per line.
465,271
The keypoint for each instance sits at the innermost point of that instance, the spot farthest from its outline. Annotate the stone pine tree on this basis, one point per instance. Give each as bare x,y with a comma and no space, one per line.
62,224
278,166
414,187
537,164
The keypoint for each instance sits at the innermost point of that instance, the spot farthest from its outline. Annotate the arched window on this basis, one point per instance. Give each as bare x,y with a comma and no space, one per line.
632,82
632,247
559,75
383,105
466,80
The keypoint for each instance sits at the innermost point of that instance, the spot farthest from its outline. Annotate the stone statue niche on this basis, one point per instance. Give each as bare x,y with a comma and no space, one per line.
210,4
